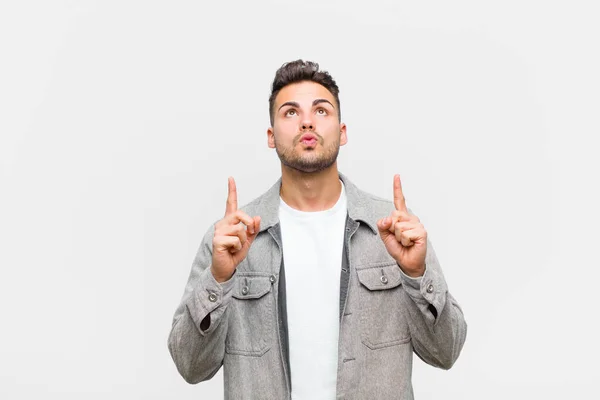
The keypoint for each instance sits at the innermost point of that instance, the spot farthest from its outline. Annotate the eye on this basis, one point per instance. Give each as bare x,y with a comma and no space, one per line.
291,111
322,111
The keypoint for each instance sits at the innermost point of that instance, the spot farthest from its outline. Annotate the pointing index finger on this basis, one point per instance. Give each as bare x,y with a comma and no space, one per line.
399,200
232,204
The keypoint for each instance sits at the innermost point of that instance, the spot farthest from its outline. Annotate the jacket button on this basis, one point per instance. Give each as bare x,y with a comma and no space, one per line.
212,297
384,279
272,279
430,288
245,290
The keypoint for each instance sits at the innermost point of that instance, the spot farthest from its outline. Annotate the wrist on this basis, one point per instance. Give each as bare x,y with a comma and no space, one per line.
413,273
220,277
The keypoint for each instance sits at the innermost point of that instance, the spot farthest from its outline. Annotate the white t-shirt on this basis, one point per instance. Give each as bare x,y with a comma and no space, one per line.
312,255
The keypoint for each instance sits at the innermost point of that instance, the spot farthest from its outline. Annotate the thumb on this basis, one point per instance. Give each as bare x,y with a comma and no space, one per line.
248,243
383,225
256,229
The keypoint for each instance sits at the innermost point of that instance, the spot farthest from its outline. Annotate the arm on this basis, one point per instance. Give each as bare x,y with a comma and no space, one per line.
197,338
437,325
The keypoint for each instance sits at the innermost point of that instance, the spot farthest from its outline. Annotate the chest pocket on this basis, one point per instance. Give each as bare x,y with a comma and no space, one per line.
250,315
383,321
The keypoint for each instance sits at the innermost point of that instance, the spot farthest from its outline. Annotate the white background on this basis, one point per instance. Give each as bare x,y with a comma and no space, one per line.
120,122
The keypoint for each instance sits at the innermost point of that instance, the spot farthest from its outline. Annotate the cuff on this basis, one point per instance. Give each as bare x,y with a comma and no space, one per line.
209,297
430,289
413,282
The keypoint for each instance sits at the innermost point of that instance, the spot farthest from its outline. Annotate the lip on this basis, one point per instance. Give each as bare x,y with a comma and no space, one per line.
308,136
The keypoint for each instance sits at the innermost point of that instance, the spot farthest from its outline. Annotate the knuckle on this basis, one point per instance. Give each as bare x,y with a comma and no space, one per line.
241,215
237,228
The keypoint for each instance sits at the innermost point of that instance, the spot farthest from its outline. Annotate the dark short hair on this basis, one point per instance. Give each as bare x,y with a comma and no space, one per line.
299,71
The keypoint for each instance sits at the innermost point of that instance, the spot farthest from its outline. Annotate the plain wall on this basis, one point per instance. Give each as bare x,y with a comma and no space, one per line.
120,122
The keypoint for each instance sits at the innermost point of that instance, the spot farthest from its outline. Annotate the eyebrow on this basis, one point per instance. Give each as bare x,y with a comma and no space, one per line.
314,103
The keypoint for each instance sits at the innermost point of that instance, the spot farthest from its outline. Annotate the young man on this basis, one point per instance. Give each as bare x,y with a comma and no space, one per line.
316,289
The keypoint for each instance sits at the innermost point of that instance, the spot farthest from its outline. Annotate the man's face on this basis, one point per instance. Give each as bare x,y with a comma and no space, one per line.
303,109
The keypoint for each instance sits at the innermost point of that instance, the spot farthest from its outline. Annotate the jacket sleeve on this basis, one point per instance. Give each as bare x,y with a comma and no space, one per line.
438,328
197,338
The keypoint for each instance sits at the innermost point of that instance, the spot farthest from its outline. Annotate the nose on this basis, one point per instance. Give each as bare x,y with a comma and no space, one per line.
307,124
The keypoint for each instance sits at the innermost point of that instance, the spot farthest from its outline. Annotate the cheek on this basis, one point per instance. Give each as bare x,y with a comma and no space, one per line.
286,124
284,136
285,129
331,126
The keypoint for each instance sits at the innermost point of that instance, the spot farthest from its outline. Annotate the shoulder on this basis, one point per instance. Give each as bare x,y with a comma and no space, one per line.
368,206
376,203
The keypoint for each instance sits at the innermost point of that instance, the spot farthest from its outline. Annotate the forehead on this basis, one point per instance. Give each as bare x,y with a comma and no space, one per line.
302,92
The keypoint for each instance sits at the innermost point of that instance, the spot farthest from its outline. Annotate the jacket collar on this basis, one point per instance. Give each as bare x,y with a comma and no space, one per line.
267,205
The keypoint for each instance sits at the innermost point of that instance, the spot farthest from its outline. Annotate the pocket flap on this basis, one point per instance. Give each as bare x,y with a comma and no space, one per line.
251,287
380,276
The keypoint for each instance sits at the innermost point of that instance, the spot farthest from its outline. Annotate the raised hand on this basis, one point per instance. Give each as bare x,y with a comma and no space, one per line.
404,236
232,240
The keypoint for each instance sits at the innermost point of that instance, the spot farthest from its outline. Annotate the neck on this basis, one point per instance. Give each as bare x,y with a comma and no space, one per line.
310,191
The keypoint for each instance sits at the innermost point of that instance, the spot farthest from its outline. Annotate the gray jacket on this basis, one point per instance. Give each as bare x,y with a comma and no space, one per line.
384,315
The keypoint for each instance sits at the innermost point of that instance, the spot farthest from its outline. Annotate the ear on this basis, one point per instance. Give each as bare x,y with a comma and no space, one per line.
343,136
270,137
